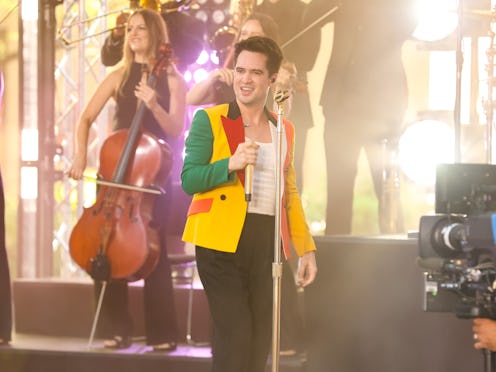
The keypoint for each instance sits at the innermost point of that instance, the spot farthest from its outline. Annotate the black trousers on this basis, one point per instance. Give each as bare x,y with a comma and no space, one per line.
5,295
239,292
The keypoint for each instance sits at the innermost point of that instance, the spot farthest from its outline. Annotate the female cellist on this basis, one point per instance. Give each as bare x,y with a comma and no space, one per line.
164,118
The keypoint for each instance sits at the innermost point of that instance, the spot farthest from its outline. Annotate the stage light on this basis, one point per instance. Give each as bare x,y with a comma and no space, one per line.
215,14
422,146
202,58
29,10
200,75
188,76
201,68
317,227
29,144
202,15
29,183
219,16
437,19
214,57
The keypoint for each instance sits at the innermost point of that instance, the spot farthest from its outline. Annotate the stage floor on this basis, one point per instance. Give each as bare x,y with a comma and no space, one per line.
72,344
36,353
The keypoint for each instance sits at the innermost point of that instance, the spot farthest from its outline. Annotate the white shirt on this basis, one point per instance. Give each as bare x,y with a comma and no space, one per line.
263,199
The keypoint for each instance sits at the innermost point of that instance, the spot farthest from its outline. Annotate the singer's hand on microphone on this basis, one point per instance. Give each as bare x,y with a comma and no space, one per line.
245,154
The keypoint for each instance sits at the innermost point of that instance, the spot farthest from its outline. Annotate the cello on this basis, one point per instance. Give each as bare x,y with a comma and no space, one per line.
114,238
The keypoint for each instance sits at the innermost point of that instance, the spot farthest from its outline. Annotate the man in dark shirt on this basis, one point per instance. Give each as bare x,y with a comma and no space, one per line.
364,96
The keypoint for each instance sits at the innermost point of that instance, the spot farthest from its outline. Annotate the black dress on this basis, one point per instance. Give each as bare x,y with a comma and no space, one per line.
158,295
5,297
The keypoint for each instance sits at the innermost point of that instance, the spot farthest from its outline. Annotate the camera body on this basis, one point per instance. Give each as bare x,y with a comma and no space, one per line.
458,256
457,246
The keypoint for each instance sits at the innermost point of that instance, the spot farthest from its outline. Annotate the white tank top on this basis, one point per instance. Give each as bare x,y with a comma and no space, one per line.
263,199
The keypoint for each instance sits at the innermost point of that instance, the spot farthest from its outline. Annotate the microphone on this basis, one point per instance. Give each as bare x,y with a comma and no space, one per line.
280,96
248,182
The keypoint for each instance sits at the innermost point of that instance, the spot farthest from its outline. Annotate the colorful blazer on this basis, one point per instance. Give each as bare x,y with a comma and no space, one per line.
218,209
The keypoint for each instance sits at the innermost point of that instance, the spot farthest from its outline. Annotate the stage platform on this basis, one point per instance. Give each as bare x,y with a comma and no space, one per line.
364,312
35,353
66,308
53,320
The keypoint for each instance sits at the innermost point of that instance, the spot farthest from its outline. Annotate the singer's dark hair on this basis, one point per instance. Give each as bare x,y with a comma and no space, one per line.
263,45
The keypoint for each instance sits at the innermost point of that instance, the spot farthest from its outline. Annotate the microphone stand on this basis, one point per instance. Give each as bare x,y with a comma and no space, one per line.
279,98
97,314
489,359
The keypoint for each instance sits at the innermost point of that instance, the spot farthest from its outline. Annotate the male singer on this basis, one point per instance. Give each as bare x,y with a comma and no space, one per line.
234,238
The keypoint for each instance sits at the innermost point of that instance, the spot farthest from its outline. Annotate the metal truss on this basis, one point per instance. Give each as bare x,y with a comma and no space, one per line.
78,70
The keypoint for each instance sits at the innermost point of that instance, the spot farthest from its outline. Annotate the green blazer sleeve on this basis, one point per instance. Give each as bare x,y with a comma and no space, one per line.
198,173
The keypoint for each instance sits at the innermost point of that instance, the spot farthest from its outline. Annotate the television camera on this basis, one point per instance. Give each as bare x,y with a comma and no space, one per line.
457,245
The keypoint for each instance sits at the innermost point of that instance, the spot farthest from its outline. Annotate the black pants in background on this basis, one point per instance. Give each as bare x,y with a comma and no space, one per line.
158,295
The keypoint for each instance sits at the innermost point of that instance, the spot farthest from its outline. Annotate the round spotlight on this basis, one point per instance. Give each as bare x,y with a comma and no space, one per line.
202,58
218,16
187,76
437,19
422,146
200,75
202,15
214,57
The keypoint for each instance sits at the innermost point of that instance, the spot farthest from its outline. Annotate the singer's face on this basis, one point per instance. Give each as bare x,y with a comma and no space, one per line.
251,78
